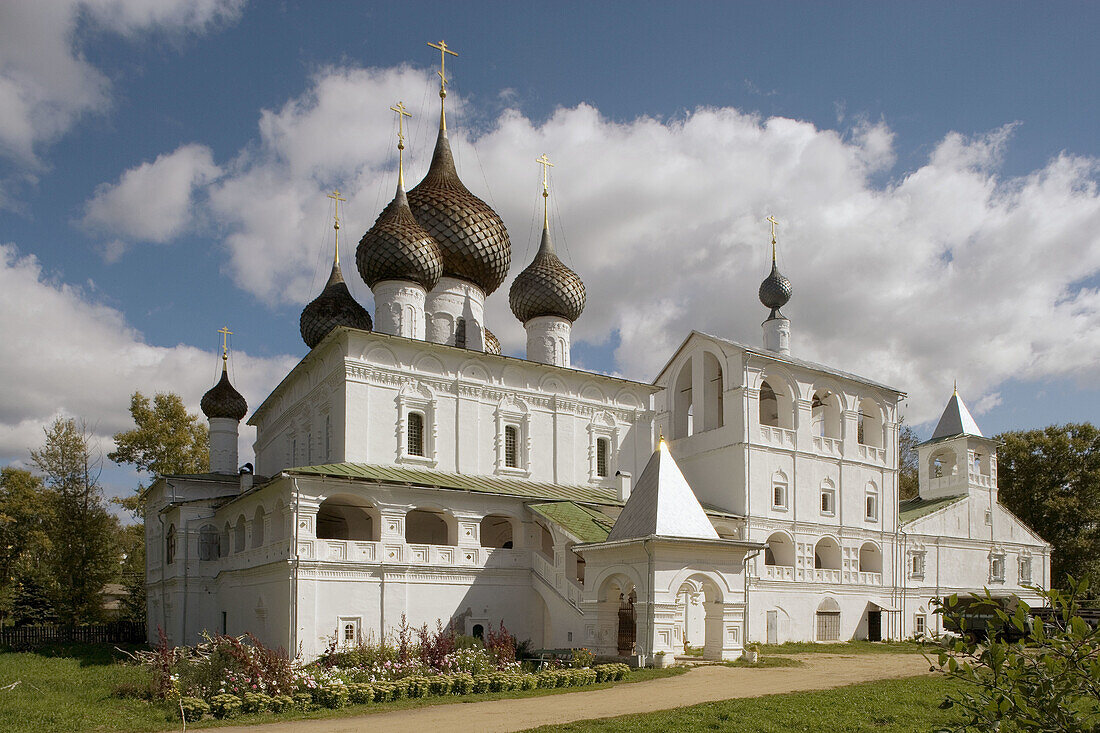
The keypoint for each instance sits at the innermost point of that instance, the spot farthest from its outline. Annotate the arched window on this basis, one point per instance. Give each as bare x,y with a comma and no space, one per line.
780,550
238,535
224,546
825,414
942,463
208,543
258,520
713,416
681,403
170,545
827,554
511,446
425,527
603,457
346,517
870,558
828,620
416,434
779,491
496,531
870,423
769,406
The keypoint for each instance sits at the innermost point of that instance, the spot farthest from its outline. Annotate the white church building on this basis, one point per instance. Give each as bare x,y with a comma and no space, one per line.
405,469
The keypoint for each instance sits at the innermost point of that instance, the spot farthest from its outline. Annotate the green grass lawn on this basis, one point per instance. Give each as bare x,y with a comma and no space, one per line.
890,706
848,647
72,688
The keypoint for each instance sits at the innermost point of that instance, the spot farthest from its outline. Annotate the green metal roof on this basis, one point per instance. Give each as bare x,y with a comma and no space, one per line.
587,525
460,482
911,509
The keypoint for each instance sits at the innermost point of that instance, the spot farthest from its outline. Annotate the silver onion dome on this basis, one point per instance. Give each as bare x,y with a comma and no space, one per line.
333,307
471,236
547,287
398,248
775,291
222,400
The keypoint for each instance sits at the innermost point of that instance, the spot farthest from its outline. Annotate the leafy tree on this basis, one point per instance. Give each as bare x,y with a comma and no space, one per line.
166,439
1047,681
908,483
131,540
23,518
1050,479
82,556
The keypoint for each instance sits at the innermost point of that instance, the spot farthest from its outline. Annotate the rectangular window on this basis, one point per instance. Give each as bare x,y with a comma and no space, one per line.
828,502
1025,570
918,625
511,446
872,507
603,449
997,568
916,567
416,434
988,517
779,496
348,631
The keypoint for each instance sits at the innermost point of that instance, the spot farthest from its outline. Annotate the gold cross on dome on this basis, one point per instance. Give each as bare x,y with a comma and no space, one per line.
546,166
226,333
399,108
443,51
774,225
335,196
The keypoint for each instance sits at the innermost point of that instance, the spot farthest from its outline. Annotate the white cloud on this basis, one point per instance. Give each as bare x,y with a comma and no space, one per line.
153,201
46,84
66,354
949,270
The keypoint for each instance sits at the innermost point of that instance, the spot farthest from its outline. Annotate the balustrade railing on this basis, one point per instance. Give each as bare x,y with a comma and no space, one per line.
781,437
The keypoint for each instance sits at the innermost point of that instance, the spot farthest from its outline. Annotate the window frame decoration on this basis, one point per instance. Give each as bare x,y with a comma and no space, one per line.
513,413
828,492
170,545
872,507
417,400
997,565
603,425
782,485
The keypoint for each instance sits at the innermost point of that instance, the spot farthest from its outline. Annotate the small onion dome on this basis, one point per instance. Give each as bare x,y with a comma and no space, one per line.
397,248
547,287
472,237
333,307
224,401
492,343
775,291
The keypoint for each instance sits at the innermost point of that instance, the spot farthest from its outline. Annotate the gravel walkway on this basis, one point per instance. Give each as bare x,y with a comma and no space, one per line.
698,685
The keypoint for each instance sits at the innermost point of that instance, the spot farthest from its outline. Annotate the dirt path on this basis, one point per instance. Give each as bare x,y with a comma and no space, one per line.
702,684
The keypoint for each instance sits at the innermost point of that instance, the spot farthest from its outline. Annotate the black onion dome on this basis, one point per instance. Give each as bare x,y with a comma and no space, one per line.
333,307
472,237
492,343
222,400
547,287
775,291
398,248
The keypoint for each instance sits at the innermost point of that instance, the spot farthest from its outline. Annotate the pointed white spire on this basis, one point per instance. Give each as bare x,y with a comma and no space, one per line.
956,420
662,503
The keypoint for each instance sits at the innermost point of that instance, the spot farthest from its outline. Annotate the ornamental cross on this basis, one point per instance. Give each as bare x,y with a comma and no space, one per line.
443,51
399,108
335,196
226,333
774,225
546,166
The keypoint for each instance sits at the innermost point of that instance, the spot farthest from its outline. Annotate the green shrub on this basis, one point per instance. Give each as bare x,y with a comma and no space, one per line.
603,672
331,696
255,702
360,692
583,658
462,683
400,689
281,703
463,641
383,691
303,700
416,686
440,684
546,679
481,683
193,708
225,705
499,681
528,681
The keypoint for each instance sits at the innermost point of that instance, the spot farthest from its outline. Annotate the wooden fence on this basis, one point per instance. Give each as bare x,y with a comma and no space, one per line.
118,632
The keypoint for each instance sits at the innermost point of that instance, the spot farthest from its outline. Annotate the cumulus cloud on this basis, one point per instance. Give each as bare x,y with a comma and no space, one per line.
66,354
46,84
951,270
152,202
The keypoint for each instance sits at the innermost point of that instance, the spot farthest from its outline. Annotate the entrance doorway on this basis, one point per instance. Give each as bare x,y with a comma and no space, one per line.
628,625
773,627
874,625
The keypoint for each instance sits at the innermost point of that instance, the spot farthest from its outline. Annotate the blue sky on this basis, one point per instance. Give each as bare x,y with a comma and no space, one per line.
162,172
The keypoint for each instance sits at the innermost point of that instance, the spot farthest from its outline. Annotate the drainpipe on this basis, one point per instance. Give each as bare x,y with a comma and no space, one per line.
652,599
294,576
745,573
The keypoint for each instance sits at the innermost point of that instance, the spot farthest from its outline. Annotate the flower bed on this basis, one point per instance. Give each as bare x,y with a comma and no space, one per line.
228,676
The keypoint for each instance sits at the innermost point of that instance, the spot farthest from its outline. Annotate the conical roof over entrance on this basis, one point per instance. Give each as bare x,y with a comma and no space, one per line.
662,503
956,420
